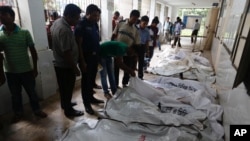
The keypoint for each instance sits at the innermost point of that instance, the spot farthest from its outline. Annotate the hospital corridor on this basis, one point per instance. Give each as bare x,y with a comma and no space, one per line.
125,70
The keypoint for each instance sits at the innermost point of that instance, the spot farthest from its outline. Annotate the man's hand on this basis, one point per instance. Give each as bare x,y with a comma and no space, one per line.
2,76
35,73
83,67
132,73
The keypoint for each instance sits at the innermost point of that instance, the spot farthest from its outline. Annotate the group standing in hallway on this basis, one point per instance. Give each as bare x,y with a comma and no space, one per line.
75,42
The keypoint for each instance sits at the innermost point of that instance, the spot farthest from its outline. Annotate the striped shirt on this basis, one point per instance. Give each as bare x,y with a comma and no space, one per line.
127,34
15,47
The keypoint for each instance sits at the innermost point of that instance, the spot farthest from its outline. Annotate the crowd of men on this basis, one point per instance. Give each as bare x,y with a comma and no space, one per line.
77,52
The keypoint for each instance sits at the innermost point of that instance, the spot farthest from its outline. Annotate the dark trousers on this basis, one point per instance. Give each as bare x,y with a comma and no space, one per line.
194,36
88,77
151,52
130,61
66,81
26,80
116,73
141,55
177,39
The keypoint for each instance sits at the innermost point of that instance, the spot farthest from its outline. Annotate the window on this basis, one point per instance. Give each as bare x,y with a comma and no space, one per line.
157,9
59,5
145,7
233,23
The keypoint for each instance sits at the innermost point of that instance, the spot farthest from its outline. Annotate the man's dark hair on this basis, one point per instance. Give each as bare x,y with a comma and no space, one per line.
156,21
54,14
135,13
156,17
117,13
7,9
145,18
71,10
196,20
92,8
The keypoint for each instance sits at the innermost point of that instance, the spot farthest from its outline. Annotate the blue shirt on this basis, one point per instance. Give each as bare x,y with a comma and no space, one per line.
90,35
144,34
178,28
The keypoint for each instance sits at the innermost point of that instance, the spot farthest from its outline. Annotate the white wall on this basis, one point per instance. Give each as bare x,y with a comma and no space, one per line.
106,19
152,10
135,4
174,13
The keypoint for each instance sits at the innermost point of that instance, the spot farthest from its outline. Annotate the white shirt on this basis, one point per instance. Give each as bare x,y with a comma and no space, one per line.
166,25
159,26
196,26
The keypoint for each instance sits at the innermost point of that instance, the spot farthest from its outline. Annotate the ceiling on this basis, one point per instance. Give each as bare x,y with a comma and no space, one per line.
191,3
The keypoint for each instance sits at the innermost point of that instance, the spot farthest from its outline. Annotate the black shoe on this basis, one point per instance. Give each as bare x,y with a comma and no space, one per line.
73,113
88,109
71,104
172,46
95,101
17,117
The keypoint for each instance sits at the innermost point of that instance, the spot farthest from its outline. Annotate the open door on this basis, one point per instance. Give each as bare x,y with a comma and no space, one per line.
243,71
242,52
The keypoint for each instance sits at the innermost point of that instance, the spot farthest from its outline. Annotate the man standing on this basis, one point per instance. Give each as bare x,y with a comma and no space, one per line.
88,37
127,33
153,30
115,20
177,32
67,55
15,43
145,38
167,26
159,26
196,29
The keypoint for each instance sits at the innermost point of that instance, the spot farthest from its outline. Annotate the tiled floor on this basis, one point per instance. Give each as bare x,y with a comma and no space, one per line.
52,128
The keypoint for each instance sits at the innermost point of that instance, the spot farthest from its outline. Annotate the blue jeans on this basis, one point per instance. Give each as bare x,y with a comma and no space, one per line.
158,44
108,69
26,80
